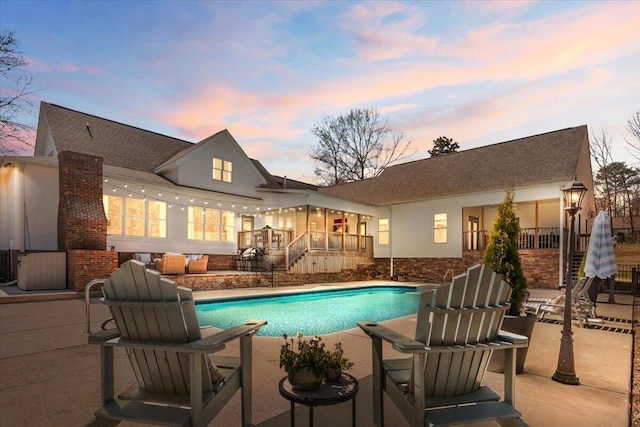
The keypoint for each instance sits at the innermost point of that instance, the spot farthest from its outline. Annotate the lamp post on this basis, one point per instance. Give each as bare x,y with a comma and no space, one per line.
565,373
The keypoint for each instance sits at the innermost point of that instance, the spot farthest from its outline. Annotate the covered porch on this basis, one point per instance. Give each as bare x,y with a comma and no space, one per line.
305,239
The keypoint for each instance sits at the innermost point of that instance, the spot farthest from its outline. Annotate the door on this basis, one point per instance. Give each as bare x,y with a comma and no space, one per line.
247,225
473,226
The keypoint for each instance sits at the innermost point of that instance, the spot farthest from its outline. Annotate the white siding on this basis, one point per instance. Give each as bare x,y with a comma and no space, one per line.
412,223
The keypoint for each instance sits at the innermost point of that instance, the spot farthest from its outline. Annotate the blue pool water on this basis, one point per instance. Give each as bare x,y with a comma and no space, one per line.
313,312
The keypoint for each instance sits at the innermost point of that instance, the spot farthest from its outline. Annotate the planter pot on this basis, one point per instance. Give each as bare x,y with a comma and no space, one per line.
304,379
519,325
332,374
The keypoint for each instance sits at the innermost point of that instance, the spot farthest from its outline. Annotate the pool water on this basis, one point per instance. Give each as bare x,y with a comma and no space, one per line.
312,312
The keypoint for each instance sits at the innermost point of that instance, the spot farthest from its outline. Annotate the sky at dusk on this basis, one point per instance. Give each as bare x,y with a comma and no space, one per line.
477,72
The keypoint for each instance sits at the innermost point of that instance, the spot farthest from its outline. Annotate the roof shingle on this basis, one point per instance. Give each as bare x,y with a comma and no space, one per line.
534,160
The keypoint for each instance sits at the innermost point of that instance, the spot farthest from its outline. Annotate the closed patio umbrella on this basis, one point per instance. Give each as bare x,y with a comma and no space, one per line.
601,260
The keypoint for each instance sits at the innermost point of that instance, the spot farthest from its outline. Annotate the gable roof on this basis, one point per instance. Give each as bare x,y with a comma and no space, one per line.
118,144
127,149
534,160
279,182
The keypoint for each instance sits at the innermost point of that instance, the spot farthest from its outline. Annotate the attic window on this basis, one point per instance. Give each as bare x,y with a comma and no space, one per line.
222,170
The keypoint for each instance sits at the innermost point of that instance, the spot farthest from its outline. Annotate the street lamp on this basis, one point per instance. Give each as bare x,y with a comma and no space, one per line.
565,373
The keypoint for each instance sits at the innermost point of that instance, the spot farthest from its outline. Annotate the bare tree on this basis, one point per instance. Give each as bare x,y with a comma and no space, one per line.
443,145
633,127
600,149
15,88
356,146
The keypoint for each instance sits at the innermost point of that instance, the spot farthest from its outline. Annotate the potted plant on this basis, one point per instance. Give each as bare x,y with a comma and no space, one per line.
305,366
336,363
501,254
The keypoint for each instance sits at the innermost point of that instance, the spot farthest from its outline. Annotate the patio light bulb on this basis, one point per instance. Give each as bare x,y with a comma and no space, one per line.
206,202
176,196
219,204
159,193
142,189
106,180
233,206
114,188
125,185
130,194
170,205
181,208
245,207
191,200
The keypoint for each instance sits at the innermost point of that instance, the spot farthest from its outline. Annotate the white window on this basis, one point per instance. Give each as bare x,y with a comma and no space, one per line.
440,228
127,216
383,231
222,170
210,224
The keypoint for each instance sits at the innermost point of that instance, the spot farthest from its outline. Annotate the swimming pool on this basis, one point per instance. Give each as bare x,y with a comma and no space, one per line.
311,312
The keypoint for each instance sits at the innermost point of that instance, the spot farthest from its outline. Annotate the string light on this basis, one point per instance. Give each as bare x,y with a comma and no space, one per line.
259,209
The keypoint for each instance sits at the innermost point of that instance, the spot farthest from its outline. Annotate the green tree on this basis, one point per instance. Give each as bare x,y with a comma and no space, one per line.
443,145
501,253
356,146
624,183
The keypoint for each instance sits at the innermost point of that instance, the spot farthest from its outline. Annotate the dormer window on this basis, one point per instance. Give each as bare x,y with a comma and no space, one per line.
222,170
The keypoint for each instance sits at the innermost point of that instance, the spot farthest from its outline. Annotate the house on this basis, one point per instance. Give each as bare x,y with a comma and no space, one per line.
101,191
435,214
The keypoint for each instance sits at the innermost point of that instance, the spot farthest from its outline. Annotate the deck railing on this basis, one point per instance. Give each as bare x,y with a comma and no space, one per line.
529,238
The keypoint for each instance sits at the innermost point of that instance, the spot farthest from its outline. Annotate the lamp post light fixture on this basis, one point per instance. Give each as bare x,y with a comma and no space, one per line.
565,373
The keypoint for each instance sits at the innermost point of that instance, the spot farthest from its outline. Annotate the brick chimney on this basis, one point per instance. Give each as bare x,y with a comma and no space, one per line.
82,223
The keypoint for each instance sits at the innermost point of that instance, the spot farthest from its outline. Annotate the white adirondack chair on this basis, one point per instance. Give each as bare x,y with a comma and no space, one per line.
177,383
458,327
582,308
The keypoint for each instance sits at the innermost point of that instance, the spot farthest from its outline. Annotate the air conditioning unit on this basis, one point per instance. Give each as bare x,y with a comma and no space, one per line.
42,271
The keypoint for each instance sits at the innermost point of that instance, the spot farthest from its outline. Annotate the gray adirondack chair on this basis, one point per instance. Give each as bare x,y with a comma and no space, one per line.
458,327
177,383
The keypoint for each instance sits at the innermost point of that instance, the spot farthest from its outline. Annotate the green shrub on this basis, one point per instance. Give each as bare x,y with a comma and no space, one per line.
501,253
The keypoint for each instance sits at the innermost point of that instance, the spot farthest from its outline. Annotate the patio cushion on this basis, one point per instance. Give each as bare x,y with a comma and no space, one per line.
143,257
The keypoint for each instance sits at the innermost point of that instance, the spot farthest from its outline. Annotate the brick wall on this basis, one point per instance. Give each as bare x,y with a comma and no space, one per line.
207,282
540,267
85,265
82,223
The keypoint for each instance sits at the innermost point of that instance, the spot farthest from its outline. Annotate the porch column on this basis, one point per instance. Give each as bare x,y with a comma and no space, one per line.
326,229
308,233
344,227
536,243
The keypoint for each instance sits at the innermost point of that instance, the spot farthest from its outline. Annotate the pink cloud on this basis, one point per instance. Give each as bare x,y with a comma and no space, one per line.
74,68
385,30
36,64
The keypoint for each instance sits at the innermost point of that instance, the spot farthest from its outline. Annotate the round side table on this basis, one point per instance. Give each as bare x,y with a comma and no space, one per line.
340,391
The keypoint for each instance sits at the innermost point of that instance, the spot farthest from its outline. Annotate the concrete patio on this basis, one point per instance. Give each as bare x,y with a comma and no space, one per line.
49,375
